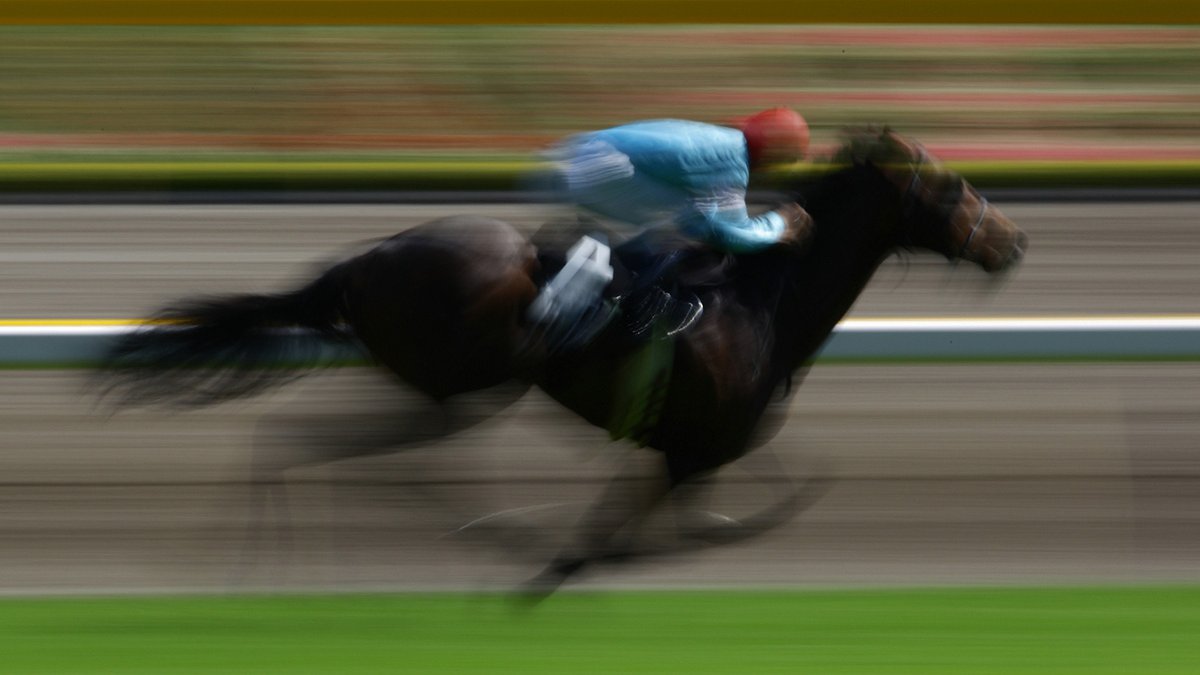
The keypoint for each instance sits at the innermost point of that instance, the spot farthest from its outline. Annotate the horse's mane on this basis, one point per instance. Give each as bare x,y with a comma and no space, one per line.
871,145
861,146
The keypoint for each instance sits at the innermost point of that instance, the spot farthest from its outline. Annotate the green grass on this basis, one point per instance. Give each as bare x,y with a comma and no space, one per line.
1050,630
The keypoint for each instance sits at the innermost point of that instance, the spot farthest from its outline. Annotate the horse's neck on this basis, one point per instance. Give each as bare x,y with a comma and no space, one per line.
854,213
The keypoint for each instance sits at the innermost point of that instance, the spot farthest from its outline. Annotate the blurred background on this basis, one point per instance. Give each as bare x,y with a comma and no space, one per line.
970,92
972,473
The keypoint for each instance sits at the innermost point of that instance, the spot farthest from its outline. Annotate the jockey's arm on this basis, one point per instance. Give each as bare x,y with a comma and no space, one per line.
799,225
726,224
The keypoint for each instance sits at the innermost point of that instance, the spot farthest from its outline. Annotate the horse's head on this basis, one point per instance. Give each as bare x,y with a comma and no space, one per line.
939,209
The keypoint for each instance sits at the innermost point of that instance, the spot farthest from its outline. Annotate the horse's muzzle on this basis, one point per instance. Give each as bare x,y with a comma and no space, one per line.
1002,244
1015,254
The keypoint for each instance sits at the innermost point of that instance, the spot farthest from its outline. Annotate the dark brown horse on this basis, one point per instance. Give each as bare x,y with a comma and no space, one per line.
442,306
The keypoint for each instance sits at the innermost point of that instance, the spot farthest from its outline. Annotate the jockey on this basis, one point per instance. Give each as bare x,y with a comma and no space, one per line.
686,175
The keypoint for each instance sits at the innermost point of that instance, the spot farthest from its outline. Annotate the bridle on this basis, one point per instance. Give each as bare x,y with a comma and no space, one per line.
911,199
983,209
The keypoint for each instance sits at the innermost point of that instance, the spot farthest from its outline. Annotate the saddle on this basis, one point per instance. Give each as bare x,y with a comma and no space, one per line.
655,295
658,280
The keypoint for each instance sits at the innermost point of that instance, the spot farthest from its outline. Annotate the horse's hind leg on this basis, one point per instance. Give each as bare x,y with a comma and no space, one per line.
385,422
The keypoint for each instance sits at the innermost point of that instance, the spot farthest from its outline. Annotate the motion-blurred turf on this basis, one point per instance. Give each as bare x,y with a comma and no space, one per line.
1051,630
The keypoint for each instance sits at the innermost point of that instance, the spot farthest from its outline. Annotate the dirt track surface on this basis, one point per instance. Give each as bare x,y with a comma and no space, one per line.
941,474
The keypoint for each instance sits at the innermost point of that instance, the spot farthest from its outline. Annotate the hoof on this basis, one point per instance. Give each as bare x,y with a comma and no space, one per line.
548,581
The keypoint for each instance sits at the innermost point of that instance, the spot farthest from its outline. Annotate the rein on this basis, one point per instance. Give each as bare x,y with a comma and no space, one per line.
983,209
910,200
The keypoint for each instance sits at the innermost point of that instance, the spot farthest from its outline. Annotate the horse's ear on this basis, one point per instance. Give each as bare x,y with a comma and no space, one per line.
885,140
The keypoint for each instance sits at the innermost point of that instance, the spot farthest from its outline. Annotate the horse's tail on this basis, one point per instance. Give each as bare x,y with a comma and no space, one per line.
211,349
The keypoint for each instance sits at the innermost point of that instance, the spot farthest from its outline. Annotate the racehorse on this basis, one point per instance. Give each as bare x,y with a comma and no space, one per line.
443,305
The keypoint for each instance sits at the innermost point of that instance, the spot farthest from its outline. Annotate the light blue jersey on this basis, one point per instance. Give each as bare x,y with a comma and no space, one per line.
670,172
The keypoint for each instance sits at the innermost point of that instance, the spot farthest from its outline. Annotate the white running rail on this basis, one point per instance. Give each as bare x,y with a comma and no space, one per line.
80,343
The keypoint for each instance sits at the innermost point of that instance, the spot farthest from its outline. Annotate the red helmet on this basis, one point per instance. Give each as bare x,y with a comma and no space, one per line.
774,136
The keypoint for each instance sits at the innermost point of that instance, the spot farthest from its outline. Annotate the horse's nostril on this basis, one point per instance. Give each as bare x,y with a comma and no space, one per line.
1022,242
1018,251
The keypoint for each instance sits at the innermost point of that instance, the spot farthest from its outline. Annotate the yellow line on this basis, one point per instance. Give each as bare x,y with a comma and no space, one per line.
380,12
29,323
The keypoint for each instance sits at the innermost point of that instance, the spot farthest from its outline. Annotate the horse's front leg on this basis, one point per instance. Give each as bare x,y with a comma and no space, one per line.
626,502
